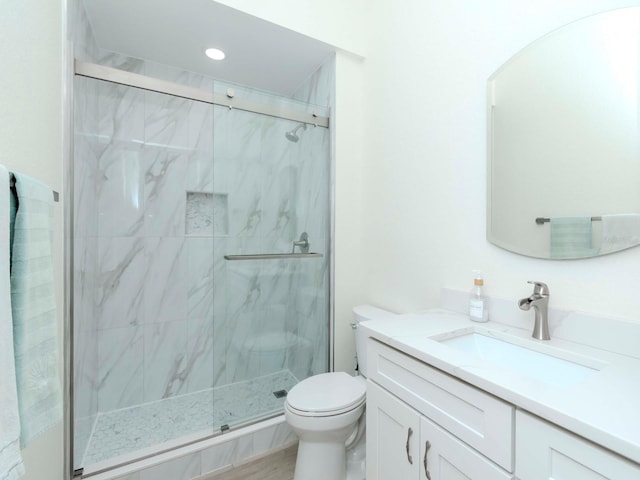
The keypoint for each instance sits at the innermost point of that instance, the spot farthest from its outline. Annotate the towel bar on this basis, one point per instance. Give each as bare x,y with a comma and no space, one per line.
12,185
542,220
272,256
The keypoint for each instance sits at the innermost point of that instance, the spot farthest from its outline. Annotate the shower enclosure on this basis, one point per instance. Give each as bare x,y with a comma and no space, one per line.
186,324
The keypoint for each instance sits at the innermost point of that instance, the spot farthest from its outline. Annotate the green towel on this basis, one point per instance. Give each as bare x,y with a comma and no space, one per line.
35,329
571,237
11,466
13,210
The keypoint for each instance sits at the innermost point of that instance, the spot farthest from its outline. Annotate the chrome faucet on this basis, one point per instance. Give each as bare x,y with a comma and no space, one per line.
539,300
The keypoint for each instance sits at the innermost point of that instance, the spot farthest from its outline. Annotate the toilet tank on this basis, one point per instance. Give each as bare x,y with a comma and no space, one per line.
362,313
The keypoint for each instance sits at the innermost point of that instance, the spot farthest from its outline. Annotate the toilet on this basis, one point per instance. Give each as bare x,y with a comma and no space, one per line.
326,411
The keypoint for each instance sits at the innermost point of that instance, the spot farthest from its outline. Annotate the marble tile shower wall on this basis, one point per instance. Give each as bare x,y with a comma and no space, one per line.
253,156
132,173
153,287
313,216
159,312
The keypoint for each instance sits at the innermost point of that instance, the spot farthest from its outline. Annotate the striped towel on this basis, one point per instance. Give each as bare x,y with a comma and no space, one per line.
35,329
11,467
571,237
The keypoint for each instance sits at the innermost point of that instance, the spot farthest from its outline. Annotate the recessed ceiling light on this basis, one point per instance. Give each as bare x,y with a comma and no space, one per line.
214,54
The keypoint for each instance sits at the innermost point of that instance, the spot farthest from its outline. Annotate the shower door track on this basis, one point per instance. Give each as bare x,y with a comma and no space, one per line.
122,77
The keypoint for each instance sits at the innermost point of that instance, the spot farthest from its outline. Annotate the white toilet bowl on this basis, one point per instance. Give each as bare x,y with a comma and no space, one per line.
323,411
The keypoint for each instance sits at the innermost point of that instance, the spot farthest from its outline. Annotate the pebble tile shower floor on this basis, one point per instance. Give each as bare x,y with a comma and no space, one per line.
124,431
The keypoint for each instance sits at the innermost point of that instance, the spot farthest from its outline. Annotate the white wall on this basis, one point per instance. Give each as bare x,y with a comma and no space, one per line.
341,23
350,268
425,157
31,142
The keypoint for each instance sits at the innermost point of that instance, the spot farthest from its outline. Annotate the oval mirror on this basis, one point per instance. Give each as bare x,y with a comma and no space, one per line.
563,139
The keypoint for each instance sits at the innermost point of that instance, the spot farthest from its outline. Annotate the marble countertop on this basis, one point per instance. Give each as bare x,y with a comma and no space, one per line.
604,408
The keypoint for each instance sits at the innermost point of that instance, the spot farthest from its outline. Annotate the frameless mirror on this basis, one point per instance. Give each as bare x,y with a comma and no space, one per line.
563,142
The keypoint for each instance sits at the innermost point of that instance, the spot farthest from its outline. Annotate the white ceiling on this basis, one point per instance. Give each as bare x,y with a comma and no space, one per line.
176,32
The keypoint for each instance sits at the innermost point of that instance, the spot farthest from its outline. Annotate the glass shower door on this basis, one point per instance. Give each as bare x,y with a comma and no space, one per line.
175,339
143,273
271,314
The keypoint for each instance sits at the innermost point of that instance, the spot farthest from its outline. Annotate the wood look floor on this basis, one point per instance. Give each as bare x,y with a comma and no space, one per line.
277,466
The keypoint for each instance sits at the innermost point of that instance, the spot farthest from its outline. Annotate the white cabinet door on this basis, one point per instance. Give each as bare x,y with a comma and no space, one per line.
546,452
444,457
475,417
393,437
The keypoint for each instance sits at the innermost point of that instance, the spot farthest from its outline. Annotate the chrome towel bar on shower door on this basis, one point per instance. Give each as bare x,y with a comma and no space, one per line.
303,244
272,256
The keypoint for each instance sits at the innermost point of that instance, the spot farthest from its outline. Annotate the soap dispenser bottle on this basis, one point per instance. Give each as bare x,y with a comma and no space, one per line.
478,302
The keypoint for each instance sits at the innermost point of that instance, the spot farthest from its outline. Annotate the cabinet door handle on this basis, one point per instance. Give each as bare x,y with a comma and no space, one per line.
427,446
409,433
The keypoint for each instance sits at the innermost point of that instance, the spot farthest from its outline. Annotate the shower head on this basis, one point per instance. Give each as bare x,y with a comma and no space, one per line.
292,136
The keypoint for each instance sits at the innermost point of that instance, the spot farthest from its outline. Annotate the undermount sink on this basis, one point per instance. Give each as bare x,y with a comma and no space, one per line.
541,366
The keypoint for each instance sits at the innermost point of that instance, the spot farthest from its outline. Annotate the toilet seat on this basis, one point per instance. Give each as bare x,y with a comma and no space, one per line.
328,413
326,395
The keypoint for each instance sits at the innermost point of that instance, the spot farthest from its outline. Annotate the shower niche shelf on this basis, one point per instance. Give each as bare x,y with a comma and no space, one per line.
206,214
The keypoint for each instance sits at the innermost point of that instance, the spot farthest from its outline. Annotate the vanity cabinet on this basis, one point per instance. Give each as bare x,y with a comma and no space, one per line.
421,420
393,437
546,452
404,444
447,458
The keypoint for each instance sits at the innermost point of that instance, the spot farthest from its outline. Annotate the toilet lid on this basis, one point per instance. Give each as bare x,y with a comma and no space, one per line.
327,392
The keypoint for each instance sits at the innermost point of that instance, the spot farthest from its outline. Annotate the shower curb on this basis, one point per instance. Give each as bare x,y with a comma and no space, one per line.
205,457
